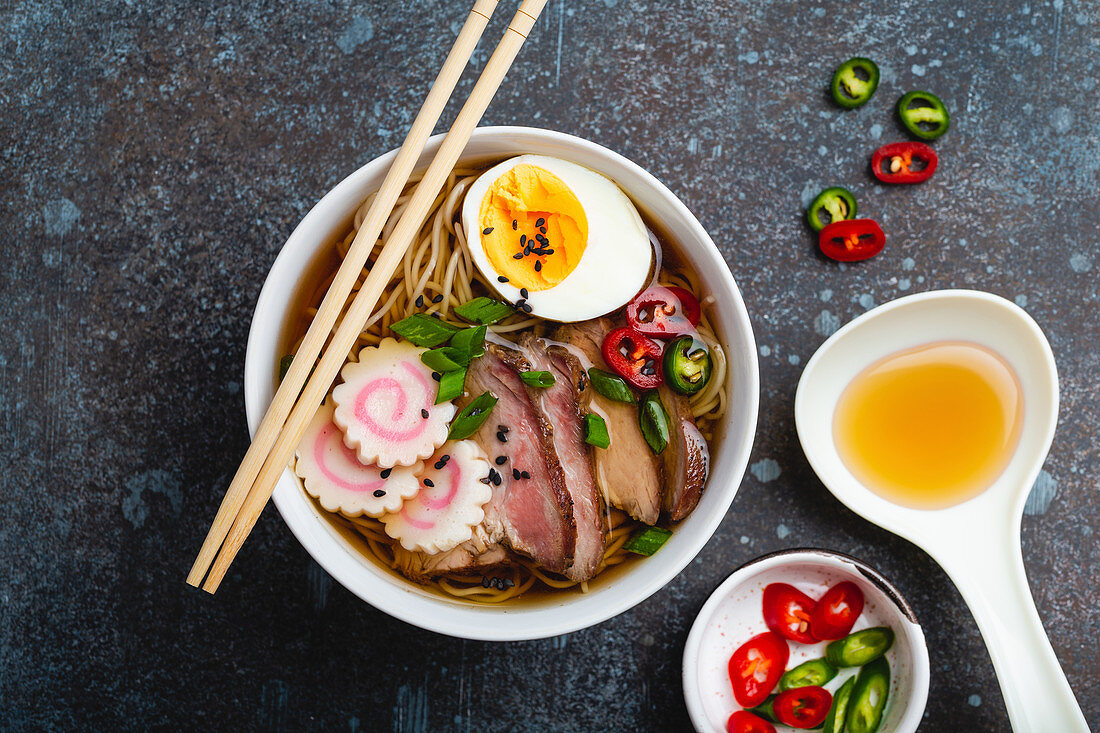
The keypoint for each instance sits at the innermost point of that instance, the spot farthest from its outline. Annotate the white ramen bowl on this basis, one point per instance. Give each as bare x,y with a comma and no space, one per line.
552,613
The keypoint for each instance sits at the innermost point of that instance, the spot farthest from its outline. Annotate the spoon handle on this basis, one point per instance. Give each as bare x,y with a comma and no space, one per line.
989,573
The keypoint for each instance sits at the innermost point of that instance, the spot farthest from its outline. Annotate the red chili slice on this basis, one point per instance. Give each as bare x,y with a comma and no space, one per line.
637,358
837,611
852,239
663,311
803,707
905,162
788,611
756,666
743,721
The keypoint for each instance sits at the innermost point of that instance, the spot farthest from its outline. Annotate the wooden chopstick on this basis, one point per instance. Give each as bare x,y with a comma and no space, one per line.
380,274
342,284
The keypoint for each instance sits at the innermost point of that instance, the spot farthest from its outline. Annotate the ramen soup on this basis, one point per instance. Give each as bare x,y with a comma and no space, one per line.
930,427
531,404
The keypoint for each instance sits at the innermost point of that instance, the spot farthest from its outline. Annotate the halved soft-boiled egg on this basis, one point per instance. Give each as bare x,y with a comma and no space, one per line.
556,239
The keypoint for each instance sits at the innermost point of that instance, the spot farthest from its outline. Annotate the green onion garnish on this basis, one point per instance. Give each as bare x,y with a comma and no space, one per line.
423,330
484,310
470,417
595,431
468,343
654,422
647,541
451,385
441,360
542,380
610,386
284,366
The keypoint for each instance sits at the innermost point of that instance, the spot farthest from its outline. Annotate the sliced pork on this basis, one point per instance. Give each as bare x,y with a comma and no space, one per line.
466,559
627,471
686,459
530,510
560,404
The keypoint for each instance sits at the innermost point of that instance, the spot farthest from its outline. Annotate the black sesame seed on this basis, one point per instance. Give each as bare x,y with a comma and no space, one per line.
540,221
436,316
444,458
439,465
487,230
485,580
521,302
485,480
437,376
379,493
503,428
523,292
496,479
429,483
538,266
548,252
525,474
542,229
385,473
522,239
501,460
527,308
515,474
502,279
515,224
502,437
527,249
508,582
420,301
517,256
438,298
424,414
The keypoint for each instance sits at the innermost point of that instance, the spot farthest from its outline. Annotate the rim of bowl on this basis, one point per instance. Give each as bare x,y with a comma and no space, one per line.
912,629
400,598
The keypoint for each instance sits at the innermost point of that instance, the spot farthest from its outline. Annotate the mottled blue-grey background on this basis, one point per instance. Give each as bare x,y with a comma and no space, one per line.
154,157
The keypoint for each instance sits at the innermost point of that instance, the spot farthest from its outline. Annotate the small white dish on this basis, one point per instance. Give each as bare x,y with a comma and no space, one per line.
551,614
733,614
978,541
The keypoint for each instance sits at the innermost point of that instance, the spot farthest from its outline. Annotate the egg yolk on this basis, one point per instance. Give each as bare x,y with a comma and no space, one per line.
530,212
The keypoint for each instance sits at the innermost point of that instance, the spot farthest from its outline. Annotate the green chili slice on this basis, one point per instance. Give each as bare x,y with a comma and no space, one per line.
687,364
837,202
923,115
648,541
654,421
470,417
856,650
595,431
542,380
868,698
834,721
812,673
765,710
610,385
855,82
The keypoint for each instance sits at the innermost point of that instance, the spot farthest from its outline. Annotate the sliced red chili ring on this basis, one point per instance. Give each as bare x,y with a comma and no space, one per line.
852,239
905,162
663,311
635,356
804,707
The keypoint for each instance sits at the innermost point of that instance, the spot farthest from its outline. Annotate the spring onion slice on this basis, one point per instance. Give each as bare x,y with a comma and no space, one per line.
471,417
647,541
542,380
451,385
610,386
483,310
595,431
423,330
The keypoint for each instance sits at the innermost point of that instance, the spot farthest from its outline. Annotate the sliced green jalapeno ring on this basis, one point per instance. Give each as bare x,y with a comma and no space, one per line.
923,115
765,711
837,202
855,82
856,650
687,365
834,721
868,698
813,673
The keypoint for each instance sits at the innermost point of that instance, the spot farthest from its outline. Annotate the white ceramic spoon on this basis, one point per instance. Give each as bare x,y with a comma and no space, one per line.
976,542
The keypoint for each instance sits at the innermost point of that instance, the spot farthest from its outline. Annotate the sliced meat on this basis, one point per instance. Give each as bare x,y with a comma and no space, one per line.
627,471
466,559
532,514
686,459
560,404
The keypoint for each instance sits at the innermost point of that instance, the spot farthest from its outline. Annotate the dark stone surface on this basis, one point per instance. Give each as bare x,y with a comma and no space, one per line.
154,159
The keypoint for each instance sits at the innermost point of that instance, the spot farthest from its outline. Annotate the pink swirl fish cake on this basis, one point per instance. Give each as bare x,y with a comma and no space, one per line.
386,406
450,502
333,474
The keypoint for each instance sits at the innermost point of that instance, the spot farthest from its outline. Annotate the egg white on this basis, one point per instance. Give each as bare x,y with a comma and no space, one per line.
616,262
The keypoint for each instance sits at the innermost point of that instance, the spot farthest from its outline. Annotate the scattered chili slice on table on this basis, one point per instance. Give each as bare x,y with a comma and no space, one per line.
636,357
855,82
743,721
923,115
906,162
803,707
756,667
663,312
787,611
849,241
837,202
